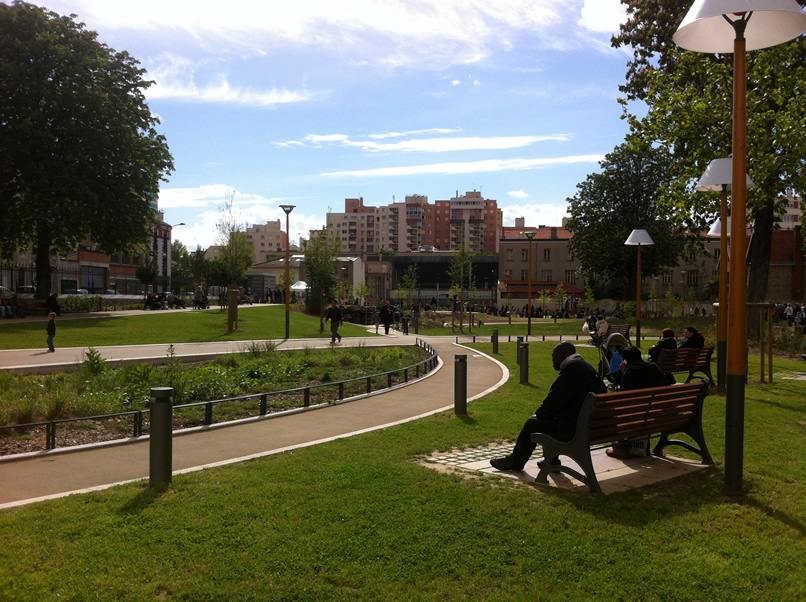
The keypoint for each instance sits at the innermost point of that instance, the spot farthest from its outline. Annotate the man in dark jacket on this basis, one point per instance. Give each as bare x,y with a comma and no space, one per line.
637,374
334,315
558,413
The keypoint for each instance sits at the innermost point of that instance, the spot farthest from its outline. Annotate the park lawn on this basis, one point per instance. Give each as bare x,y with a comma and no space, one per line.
362,519
256,323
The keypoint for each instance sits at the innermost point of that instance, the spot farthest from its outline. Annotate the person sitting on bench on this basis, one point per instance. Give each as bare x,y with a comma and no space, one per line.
636,374
559,412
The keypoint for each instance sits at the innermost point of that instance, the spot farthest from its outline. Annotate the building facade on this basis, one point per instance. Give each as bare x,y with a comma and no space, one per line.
416,225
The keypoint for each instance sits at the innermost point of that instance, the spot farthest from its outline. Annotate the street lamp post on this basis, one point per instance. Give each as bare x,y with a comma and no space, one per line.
288,209
638,238
724,26
530,236
683,293
718,177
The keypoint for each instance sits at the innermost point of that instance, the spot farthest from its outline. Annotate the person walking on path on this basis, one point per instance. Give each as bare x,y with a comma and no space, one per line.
334,315
385,316
559,412
51,330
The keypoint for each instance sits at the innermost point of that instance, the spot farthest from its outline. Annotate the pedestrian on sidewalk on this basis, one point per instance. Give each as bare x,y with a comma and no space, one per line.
51,330
334,315
385,316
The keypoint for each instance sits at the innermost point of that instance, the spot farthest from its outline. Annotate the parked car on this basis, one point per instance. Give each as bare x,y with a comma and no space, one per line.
6,293
26,290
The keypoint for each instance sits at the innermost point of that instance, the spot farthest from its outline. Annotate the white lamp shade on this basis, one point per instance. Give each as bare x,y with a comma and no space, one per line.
639,237
716,229
773,22
718,173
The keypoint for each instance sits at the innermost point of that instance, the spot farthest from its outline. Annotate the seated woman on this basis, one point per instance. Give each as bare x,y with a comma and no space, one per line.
692,338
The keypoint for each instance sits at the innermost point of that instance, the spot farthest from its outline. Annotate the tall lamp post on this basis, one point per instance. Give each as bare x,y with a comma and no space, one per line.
725,26
717,178
638,238
683,293
288,209
530,236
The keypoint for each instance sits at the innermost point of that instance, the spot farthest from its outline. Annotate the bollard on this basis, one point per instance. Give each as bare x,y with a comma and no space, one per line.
460,385
161,437
518,350
523,360
495,341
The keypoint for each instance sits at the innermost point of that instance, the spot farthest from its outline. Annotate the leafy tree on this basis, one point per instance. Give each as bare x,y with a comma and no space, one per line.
410,282
460,271
610,204
588,298
690,96
362,290
320,271
79,153
236,252
147,271
198,266
180,275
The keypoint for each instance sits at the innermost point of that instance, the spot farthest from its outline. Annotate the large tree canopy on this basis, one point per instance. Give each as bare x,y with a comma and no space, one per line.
690,100
611,204
79,153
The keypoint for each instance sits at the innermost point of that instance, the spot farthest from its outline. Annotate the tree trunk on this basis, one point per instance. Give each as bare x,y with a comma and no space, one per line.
759,258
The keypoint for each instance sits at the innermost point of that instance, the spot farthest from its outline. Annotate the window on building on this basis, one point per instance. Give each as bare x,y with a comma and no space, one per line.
525,254
507,274
692,278
667,278
570,276
546,254
524,274
546,275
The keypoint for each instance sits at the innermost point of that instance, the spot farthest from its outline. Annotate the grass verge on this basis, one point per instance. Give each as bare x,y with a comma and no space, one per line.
362,519
257,322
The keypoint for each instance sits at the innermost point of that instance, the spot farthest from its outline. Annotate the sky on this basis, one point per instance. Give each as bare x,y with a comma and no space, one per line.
314,101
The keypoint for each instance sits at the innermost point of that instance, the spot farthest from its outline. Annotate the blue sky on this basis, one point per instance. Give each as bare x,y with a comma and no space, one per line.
311,102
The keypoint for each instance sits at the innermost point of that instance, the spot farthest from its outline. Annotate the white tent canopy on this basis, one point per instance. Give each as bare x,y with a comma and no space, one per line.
299,286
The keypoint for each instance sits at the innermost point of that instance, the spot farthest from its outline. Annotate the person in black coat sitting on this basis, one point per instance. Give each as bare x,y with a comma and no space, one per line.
637,374
692,338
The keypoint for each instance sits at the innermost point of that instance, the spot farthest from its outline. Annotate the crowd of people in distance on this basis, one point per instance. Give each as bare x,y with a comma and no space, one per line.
628,370
793,313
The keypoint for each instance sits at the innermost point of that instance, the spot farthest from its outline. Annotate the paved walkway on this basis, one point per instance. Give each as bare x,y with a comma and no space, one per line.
46,475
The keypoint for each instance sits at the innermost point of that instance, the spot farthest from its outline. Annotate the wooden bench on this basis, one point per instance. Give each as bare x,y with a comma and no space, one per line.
623,329
687,359
626,415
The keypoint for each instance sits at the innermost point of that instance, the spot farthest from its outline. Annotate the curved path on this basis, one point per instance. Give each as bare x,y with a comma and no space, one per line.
45,475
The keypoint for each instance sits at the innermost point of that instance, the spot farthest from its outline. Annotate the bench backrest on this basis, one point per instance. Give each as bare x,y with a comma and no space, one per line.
687,359
627,414
623,329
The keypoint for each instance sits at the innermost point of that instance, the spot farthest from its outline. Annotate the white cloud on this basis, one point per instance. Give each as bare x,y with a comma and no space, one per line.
518,194
432,34
250,209
603,16
430,145
176,78
538,214
490,165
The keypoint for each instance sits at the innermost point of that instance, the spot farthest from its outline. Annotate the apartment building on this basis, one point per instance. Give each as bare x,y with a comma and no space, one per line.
415,224
267,240
793,210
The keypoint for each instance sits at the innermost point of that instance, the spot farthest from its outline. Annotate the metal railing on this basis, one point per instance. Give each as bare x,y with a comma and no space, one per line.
342,389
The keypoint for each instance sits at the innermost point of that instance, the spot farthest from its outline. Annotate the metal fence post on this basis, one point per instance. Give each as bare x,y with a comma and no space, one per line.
460,385
495,341
160,440
523,360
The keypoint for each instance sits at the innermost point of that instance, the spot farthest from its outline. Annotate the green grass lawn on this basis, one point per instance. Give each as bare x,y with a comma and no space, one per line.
256,323
362,519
